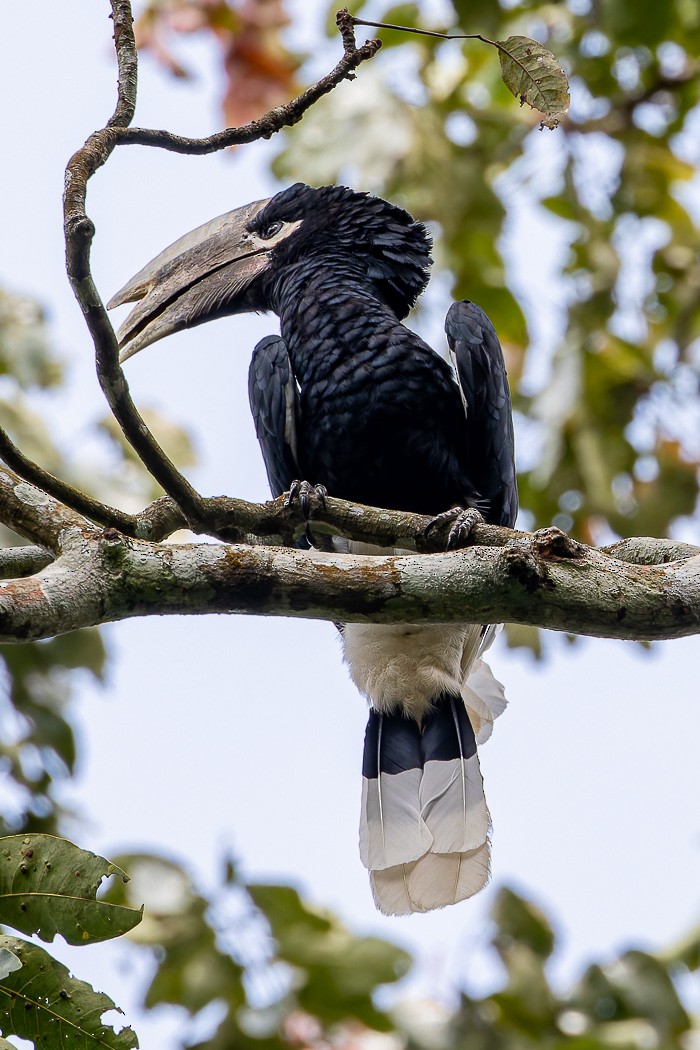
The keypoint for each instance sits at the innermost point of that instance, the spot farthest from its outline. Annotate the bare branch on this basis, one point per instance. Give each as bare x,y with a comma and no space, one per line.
281,117
127,64
79,232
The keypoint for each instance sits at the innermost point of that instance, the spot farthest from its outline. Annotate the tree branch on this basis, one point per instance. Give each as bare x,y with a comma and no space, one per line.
23,561
61,490
281,117
102,576
79,232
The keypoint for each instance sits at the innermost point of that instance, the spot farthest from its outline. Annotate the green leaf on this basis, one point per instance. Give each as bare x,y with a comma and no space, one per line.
533,75
687,952
336,972
520,921
41,1002
48,886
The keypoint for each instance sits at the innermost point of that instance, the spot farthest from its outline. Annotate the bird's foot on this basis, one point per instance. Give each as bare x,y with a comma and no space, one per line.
463,522
305,493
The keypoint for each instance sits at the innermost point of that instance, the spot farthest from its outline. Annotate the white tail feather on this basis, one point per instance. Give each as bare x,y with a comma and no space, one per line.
435,881
484,698
439,879
453,805
424,829
390,890
392,830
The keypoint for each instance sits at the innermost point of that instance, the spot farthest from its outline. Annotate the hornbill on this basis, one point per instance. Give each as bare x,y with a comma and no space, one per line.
352,400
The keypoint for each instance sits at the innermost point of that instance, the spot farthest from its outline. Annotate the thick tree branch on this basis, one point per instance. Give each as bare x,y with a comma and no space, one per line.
102,576
34,513
644,550
544,579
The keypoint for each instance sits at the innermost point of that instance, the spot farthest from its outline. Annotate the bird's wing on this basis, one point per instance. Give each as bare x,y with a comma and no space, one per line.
478,359
274,402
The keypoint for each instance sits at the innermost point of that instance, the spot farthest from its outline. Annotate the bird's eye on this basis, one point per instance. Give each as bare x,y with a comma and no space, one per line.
270,230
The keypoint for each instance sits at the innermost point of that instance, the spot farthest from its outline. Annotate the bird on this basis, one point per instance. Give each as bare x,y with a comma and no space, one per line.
347,400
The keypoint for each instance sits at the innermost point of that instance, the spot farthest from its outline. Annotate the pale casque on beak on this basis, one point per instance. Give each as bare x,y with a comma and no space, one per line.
203,275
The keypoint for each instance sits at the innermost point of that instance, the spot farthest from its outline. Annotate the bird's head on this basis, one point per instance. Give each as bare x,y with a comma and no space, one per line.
229,264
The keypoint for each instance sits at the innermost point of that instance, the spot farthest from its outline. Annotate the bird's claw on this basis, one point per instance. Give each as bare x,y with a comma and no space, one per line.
305,492
463,521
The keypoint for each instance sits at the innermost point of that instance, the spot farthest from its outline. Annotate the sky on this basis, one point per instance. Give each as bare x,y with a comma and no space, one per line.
591,774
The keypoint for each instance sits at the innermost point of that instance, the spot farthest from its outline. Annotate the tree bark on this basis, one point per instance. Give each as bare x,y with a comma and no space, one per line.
100,575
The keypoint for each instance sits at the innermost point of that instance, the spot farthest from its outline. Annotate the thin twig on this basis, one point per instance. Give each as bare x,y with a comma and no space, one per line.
425,32
448,36
264,127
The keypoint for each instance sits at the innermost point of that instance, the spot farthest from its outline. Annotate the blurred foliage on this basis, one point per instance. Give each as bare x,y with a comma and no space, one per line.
611,398
259,69
580,243
277,968
252,966
37,741
276,973
37,679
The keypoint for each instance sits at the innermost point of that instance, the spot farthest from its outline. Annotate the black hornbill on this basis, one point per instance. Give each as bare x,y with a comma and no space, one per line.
350,398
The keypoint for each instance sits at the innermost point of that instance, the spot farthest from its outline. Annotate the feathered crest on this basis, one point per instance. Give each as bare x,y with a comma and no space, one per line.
393,248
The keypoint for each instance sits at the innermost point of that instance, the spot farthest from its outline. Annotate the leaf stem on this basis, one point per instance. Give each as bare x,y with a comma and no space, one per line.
427,32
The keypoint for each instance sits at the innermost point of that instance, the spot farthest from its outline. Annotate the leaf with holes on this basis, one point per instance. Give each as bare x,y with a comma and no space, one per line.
41,1002
49,885
534,76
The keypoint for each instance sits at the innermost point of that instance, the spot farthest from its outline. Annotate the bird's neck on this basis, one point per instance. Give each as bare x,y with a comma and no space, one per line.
328,314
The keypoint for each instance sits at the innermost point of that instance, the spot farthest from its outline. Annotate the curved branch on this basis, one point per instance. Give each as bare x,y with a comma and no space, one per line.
79,232
281,117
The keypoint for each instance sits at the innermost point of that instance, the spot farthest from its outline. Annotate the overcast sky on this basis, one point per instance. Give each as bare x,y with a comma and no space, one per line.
245,735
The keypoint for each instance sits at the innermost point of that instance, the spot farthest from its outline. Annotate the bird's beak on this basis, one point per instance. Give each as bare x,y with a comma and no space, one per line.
203,275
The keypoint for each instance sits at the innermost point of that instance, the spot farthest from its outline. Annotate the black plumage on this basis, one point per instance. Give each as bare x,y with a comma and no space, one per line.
379,419
350,398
